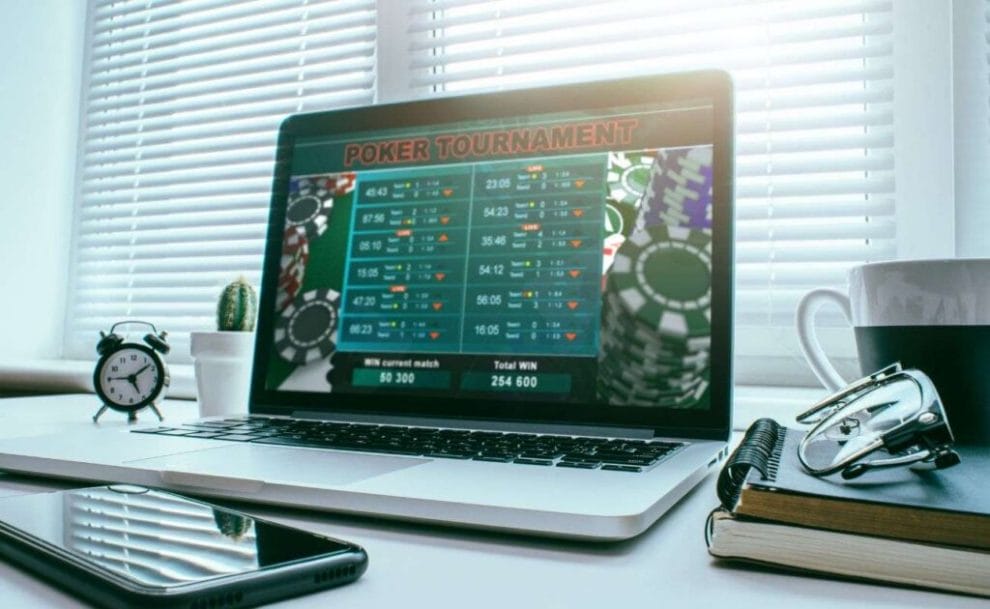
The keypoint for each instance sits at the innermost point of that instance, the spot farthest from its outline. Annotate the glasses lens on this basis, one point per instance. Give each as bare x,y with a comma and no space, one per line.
861,422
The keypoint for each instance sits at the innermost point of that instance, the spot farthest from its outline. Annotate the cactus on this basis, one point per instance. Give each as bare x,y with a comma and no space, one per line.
237,307
231,525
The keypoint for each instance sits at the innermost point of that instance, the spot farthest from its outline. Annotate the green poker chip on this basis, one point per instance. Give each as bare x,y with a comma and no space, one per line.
617,393
662,277
668,377
629,175
627,329
655,338
620,219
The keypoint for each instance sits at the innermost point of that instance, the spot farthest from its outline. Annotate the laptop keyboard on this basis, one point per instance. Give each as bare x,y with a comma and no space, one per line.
612,454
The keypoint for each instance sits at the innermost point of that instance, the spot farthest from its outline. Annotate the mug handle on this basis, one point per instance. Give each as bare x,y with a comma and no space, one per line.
806,310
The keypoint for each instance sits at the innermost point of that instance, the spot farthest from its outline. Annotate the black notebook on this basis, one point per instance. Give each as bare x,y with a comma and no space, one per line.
928,529
764,479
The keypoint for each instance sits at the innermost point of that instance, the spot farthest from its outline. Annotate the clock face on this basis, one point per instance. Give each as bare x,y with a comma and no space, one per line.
130,377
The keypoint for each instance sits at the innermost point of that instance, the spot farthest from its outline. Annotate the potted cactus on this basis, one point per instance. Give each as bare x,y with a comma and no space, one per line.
223,358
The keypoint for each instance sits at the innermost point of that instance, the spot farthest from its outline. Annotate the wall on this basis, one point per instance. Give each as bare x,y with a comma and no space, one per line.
41,42
972,127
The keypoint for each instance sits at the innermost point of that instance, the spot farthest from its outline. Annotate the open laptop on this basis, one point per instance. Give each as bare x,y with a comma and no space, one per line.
509,310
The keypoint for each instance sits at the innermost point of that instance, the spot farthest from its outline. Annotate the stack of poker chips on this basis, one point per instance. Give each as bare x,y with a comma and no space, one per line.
679,192
656,327
627,179
292,265
306,330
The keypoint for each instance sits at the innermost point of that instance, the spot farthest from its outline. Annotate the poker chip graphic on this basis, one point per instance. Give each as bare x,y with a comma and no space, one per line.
655,325
307,329
629,175
338,184
310,208
610,248
292,265
679,192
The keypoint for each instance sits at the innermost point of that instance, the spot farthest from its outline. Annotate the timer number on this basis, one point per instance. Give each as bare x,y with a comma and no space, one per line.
497,183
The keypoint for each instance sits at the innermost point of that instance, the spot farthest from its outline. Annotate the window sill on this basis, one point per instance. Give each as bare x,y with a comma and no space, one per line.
72,376
751,402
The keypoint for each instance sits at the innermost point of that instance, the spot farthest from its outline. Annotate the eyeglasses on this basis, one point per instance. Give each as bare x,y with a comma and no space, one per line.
893,413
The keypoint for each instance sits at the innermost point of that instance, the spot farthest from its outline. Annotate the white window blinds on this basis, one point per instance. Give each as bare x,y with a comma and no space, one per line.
814,99
182,102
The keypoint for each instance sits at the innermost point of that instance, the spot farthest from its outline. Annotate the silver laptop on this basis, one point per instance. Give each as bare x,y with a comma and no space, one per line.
509,311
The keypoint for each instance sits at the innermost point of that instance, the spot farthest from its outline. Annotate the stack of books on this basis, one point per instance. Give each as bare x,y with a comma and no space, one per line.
928,529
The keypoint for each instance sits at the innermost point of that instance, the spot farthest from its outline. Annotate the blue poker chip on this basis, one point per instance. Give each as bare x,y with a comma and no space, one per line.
679,191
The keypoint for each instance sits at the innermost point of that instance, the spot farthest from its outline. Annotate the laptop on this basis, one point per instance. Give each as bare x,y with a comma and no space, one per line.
510,311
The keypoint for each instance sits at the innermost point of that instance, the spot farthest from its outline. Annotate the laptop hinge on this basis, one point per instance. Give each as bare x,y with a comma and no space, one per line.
569,429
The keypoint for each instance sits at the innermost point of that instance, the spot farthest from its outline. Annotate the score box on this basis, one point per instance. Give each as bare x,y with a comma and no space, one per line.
401,377
521,382
486,258
401,333
544,334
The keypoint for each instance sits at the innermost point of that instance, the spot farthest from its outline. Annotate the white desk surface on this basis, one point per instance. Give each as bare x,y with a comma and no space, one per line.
420,566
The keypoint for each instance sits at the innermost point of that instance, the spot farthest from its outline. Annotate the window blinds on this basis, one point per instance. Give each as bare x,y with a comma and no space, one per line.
183,101
181,109
814,98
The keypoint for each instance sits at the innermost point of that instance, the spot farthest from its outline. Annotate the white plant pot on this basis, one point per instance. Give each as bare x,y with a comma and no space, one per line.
223,371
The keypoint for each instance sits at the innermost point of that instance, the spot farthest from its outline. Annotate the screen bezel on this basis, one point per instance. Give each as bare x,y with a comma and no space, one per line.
712,423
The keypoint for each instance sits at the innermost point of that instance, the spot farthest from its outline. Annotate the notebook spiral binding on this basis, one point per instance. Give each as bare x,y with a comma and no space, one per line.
760,448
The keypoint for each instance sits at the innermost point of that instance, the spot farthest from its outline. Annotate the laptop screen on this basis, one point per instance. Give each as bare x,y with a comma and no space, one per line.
558,258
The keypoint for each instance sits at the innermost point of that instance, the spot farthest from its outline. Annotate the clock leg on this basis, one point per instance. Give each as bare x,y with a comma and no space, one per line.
157,412
99,412
131,417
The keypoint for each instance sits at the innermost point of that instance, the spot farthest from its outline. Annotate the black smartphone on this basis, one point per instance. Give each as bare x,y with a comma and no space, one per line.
130,546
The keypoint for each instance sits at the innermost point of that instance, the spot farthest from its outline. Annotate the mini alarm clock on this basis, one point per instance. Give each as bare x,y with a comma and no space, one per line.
129,375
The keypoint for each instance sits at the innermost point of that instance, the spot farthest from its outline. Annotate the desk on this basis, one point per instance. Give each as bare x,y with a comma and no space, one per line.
425,566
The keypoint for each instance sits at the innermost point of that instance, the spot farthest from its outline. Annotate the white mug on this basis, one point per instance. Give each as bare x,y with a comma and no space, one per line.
933,315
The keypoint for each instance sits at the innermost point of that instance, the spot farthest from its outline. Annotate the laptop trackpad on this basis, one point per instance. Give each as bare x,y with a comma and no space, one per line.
279,465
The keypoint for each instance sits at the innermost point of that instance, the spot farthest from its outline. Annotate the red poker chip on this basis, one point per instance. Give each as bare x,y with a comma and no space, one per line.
292,265
338,184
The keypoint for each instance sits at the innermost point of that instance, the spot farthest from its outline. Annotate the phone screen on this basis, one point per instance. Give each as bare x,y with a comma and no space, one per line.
157,539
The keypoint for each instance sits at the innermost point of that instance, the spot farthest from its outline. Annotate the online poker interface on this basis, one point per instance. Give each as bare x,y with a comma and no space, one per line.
552,258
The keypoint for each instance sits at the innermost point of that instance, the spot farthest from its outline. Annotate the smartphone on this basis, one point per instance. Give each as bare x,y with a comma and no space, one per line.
130,546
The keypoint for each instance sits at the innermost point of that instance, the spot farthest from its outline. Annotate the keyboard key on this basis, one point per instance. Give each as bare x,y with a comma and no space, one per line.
204,434
534,461
235,437
444,455
621,468
577,465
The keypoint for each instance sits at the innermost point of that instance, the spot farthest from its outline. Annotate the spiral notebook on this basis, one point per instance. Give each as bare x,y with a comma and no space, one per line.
763,479
923,529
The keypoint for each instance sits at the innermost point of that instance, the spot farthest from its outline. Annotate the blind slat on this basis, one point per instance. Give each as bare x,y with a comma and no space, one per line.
814,98
182,104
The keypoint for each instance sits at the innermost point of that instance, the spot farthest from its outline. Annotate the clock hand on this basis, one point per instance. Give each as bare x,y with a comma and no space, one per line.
133,381
141,370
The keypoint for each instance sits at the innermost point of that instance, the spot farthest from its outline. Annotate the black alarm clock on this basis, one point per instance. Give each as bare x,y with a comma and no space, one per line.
129,375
